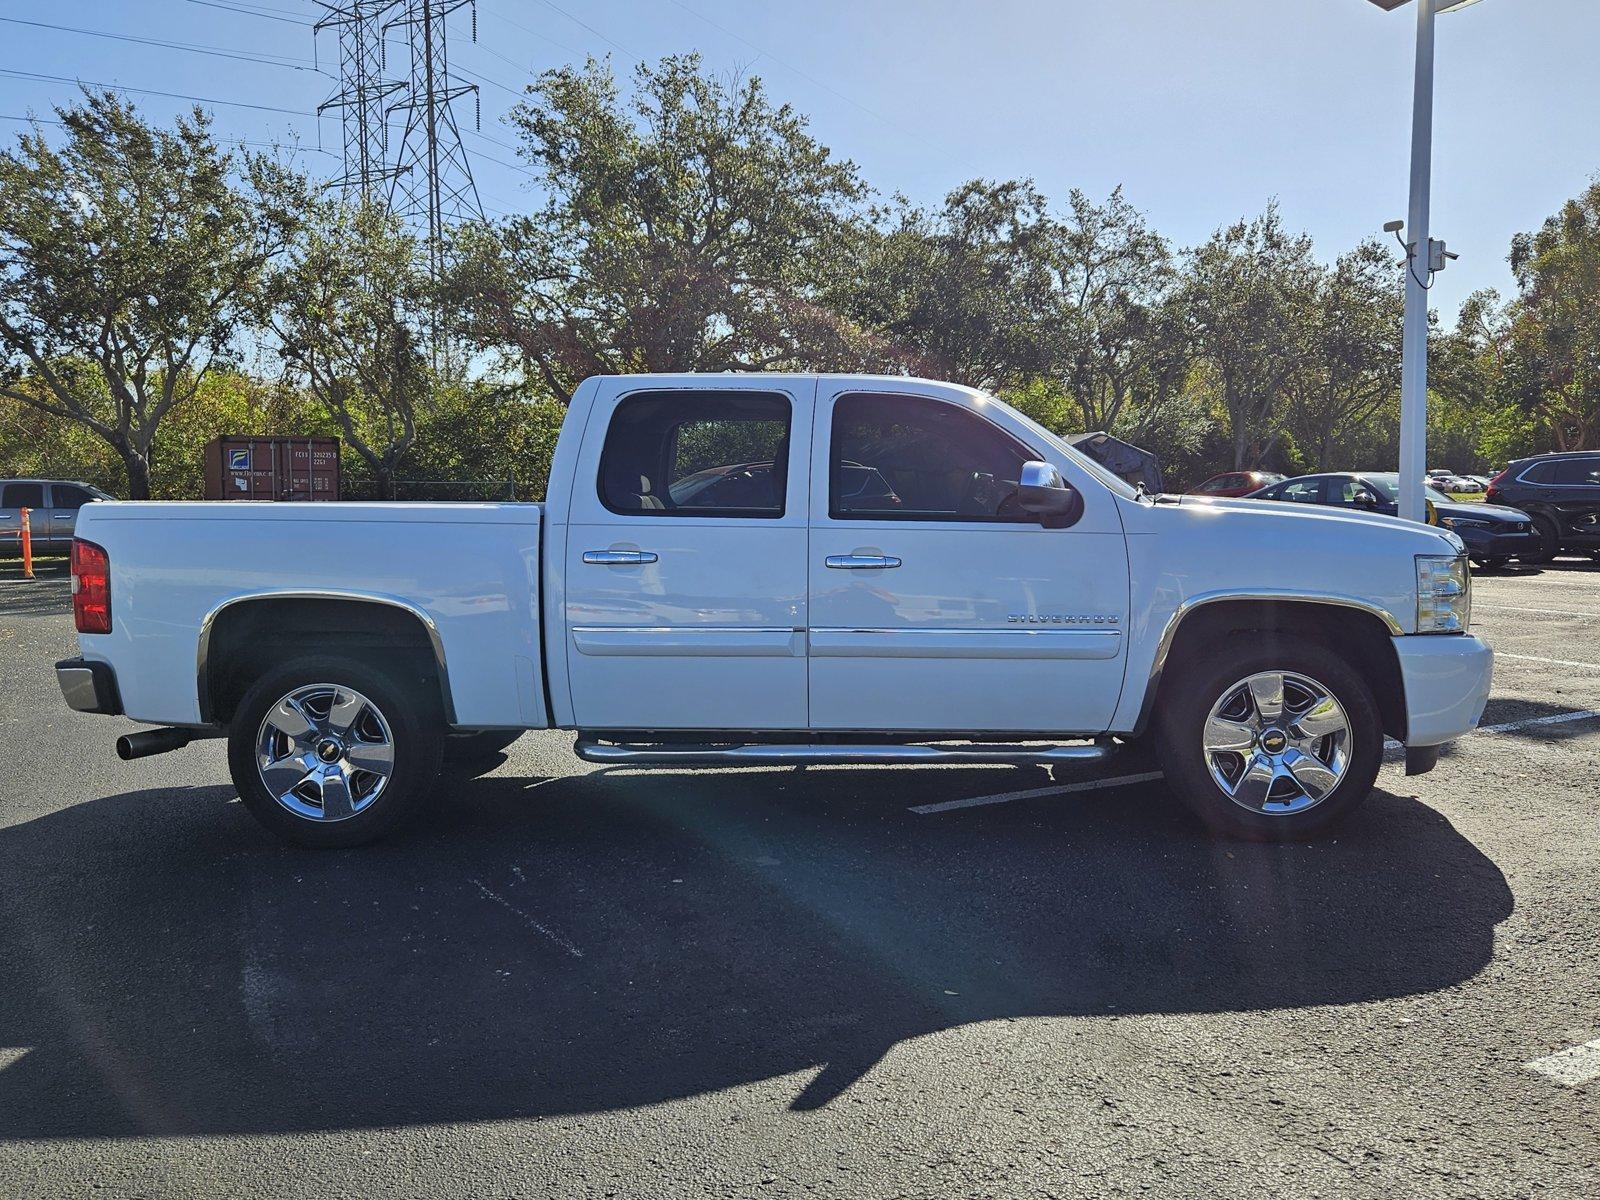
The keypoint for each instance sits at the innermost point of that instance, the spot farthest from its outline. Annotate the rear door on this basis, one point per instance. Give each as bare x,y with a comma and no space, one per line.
936,603
685,558
14,497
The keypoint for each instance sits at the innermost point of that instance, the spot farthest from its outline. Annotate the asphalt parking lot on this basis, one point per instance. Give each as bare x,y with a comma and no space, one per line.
829,982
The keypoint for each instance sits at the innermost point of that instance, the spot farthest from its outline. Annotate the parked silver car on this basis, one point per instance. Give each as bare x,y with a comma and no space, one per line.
53,506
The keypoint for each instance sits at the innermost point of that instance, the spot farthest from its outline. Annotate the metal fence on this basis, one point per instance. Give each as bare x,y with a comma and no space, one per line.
463,491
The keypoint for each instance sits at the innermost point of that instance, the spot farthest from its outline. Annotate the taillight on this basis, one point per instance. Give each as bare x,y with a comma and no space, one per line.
1494,486
91,587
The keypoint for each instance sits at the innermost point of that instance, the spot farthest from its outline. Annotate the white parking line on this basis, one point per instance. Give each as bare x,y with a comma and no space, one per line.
1556,719
1553,612
1573,1067
1557,662
1088,785
1391,747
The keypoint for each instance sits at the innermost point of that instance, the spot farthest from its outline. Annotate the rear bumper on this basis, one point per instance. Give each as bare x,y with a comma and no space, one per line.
1447,678
89,687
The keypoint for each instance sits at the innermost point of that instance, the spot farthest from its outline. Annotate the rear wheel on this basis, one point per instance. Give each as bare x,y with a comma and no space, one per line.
1549,540
331,750
1269,740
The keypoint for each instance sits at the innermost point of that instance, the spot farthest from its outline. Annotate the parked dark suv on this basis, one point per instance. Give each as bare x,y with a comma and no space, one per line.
1561,492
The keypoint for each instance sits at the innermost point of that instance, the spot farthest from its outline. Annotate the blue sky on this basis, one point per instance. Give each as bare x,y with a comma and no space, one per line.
1201,109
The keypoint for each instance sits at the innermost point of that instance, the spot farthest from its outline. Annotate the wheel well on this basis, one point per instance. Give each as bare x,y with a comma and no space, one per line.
1359,637
249,636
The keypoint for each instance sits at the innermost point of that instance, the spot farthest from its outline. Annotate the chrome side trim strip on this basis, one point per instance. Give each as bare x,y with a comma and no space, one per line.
1189,604
966,643
203,651
773,755
706,641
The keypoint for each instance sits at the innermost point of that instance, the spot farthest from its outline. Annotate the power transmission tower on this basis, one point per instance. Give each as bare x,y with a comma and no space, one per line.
362,92
432,182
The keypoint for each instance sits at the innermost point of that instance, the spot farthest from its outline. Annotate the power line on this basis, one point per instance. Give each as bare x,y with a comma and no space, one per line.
118,87
242,142
252,11
282,60
809,78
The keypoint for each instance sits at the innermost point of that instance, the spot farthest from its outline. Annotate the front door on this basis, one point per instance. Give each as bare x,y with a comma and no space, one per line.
685,558
938,604
65,501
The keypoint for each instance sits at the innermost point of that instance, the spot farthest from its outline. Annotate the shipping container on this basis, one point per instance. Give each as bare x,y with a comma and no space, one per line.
240,467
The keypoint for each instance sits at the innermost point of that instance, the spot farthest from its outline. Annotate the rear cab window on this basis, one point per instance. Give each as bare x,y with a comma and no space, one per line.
697,454
22,495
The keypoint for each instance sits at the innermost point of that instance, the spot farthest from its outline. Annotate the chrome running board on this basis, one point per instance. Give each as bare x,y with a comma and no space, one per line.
772,754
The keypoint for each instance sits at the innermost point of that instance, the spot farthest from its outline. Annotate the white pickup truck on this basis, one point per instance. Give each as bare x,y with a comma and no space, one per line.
782,569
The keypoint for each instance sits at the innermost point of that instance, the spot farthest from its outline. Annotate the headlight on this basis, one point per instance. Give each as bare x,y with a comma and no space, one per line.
1462,523
1444,594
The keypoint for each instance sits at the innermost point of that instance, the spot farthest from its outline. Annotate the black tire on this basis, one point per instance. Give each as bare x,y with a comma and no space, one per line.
415,730
1185,706
1549,541
478,747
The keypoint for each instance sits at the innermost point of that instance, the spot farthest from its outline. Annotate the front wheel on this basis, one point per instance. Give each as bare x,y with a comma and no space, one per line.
1269,740
331,750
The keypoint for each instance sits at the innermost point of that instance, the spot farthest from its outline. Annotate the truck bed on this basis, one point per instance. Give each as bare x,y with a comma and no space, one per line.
470,572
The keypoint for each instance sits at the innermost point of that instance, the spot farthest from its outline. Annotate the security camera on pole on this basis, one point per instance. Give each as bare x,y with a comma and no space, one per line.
1424,258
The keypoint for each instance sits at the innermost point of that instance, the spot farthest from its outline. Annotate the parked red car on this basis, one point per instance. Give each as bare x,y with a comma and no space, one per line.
1236,483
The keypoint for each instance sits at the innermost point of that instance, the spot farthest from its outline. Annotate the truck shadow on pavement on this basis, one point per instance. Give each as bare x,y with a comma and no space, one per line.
604,941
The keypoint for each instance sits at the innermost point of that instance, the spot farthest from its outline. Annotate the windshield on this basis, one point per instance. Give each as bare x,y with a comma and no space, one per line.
1113,481
1389,486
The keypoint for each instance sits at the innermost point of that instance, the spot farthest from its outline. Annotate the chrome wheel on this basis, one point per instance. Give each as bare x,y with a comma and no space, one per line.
1277,742
324,752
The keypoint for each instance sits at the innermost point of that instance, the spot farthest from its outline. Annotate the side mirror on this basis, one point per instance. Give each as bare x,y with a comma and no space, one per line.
1043,492
1364,499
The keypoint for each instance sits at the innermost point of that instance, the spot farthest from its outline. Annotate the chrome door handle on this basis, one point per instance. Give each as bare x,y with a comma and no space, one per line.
66,516
617,558
861,562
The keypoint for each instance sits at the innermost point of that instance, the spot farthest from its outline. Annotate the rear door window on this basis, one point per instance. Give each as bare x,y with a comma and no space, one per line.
697,454
1301,491
22,495
1581,472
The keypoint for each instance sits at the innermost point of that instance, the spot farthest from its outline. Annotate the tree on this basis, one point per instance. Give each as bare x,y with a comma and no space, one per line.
688,229
1245,299
350,306
1117,343
1557,323
128,260
1349,361
962,292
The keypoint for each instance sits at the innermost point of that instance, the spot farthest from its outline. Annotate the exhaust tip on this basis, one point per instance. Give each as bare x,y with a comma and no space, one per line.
151,741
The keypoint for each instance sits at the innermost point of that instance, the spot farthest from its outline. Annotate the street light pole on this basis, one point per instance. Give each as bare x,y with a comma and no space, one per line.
1414,356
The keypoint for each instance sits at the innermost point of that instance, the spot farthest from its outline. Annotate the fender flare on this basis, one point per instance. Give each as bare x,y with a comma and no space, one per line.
203,648
1189,604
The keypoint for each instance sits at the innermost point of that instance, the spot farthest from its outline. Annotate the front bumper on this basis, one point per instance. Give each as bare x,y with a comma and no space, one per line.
1447,678
1485,543
89,687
